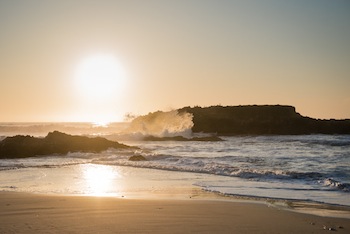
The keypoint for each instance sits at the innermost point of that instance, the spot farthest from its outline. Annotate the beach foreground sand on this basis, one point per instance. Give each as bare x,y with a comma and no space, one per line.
32,213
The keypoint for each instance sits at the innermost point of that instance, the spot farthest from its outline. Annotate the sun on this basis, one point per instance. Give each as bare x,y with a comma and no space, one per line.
100,77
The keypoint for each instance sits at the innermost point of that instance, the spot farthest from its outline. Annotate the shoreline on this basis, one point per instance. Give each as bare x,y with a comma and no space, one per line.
148,184
42,213
293,205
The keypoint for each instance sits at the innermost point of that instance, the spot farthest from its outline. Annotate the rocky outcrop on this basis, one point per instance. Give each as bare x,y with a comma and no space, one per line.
260,120
137,158
54,143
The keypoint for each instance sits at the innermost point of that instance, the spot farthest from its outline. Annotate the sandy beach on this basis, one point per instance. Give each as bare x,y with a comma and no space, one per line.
33,213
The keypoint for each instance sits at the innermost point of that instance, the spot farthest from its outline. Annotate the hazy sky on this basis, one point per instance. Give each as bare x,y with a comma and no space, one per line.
174,54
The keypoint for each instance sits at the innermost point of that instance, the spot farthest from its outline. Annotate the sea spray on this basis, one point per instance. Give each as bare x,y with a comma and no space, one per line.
162,124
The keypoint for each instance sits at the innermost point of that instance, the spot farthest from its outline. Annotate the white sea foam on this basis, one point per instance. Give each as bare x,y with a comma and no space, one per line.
162,124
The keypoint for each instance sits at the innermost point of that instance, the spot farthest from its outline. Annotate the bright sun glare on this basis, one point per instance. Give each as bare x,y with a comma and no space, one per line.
100,83
100,77
99,179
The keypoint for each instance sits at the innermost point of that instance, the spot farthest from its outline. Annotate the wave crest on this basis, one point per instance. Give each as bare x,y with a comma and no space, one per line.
162,124
329,182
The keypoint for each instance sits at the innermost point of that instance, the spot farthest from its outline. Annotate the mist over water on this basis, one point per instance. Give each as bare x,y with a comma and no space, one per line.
162,124
42,129
158,124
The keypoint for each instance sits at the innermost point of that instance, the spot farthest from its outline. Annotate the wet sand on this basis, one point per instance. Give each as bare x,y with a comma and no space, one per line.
32,213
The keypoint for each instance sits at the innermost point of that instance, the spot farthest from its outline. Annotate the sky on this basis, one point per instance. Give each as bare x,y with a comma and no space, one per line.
163,55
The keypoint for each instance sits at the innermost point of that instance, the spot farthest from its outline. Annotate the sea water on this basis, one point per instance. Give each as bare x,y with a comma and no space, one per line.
301,167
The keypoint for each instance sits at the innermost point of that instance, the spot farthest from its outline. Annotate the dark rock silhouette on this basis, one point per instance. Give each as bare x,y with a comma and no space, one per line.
260,120
54,143
137,158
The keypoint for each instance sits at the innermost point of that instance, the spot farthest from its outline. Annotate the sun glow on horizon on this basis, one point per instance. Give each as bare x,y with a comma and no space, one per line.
101,123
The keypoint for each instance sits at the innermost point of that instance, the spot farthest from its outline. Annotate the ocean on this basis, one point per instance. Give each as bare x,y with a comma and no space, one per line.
312,168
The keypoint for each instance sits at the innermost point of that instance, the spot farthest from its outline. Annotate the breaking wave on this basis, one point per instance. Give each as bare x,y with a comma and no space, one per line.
214,167
161,124
336,184
302,167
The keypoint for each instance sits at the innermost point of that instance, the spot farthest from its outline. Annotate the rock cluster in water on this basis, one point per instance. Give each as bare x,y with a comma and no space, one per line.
137,158
54,143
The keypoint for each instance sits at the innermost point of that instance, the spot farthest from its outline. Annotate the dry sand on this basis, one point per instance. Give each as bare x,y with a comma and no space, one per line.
32,213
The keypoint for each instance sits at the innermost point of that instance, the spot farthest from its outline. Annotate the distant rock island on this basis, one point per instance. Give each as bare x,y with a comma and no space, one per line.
260,120
54,143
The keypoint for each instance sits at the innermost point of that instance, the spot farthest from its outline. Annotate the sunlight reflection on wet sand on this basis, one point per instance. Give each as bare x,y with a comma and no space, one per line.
100,180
